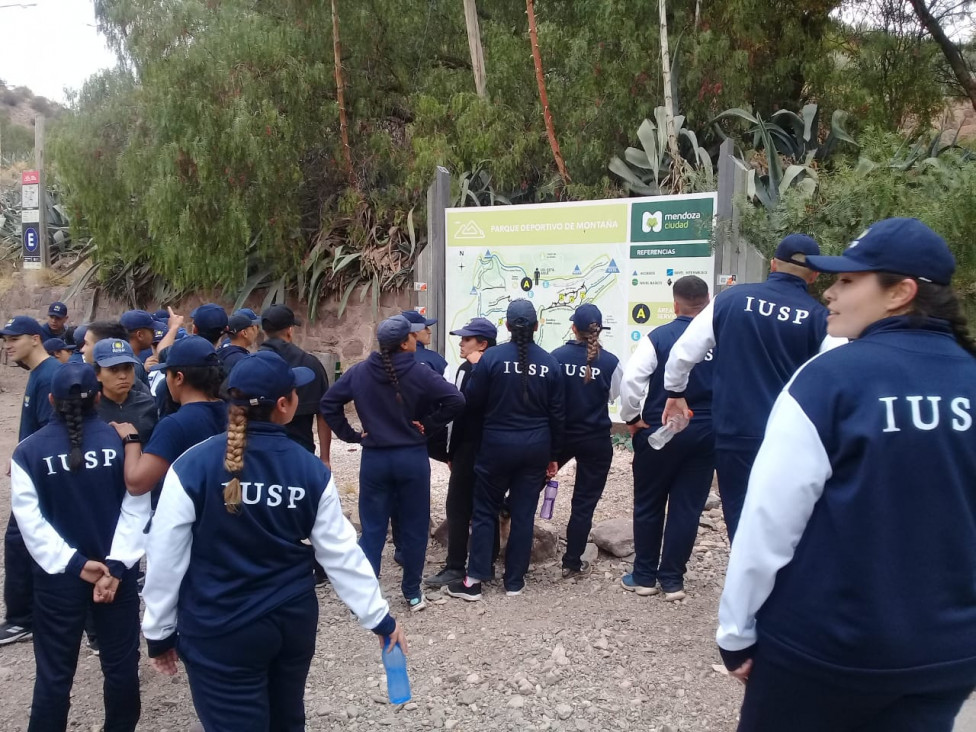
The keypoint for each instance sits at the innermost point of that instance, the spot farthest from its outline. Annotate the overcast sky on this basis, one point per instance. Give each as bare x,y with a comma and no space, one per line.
50,46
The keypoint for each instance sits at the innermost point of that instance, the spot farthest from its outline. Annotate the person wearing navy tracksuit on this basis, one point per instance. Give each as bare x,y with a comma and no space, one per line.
229,585
519,386
592,382
761,333
678,475
850,598
398,401
424,354
82,528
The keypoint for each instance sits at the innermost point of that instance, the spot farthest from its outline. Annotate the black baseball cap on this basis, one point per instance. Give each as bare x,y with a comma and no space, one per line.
795,249
278,317
56,344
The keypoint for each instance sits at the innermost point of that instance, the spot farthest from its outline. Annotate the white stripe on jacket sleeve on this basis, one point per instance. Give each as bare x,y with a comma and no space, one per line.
640,367
831,342
786,482
44,543
690,349
615,379
350,573
167,557
129,541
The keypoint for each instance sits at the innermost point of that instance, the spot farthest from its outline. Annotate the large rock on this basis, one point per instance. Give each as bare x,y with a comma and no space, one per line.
545,544
439,534
615,536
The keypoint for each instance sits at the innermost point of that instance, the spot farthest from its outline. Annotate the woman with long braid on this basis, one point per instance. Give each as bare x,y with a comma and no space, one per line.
592,382
519,387
399,401
84,531
229,581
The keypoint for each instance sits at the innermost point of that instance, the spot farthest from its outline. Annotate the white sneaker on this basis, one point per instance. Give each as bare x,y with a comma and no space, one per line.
417,604
674,596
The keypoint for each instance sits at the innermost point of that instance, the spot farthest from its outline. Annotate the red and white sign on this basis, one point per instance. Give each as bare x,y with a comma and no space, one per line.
30,177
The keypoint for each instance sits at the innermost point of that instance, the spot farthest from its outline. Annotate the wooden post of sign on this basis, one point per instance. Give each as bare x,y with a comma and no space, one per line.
431,264
41,190
474,45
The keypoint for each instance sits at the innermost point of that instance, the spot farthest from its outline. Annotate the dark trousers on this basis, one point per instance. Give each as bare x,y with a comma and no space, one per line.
395,481
593,457
253,678
18,577
779,699
733,466
61,603
677,476
460,507
519,469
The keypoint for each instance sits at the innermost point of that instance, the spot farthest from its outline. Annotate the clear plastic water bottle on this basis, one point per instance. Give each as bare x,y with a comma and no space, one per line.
549,500
663,434
397,682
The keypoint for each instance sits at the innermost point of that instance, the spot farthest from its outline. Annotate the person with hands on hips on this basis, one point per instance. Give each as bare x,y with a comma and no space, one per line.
399,401
229,587
84,531
850,596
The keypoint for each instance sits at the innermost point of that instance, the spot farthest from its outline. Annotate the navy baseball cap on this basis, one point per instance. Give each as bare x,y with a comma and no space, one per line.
900,246
190,351
136,320
585,315
521,312
416,319
56,344
795,249
248,313
159,331
58,308
236,323
79,334
393,331
209,318
161,315
278,317
478,327
21,325
264,377
74,381
113,351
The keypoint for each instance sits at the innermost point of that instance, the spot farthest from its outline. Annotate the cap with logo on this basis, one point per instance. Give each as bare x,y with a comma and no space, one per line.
209,318
51,345
58,309
479,328
521,313
159,331
112,352
236,323
137,320
247,312
264,377
586,315
74,381
393,331
278,317
418,319
795,248
190,351
900,246
22,325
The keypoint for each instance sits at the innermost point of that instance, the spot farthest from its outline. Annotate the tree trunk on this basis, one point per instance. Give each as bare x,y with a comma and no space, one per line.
668,99
543,97
341,97
474,45
950,50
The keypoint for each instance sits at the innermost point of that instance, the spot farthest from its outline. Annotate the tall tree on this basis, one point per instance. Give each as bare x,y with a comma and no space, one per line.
543,97
928,16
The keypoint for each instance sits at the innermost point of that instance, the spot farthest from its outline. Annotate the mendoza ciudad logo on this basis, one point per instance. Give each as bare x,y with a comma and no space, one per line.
687,220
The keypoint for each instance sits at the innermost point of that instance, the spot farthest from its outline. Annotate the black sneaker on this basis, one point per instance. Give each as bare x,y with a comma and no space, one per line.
569,573
93,645
10,633
460,590
398,557
444,577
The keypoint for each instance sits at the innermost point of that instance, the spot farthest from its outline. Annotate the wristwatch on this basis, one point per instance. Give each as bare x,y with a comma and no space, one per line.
132,439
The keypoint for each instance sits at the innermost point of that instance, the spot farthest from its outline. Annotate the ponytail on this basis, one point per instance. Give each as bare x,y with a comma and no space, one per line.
592,340
936,301
522,337
237,419
390,371
73,411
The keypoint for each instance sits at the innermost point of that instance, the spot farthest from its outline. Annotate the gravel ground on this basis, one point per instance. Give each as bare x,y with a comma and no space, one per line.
576,655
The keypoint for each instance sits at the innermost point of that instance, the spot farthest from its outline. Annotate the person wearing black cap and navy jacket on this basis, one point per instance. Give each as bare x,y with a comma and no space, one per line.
592,381
761,334
676,477
850,598
398,401
229,583
82,528
59,350
520,388
420,325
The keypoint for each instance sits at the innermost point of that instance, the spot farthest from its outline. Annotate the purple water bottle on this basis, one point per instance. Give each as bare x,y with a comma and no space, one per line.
549,501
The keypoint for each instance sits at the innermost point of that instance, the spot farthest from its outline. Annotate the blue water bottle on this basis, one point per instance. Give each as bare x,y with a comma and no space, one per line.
397,683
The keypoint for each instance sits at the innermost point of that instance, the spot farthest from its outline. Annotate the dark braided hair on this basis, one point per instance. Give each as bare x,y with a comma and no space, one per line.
936,301
73,411
387,355
522,336
591,337
237,420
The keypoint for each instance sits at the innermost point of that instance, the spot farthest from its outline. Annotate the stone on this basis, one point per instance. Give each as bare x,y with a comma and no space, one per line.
516,702
615,536
473,679
712,502
591,553
545,545
564,711
450,724
439,534
469,697
601,643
